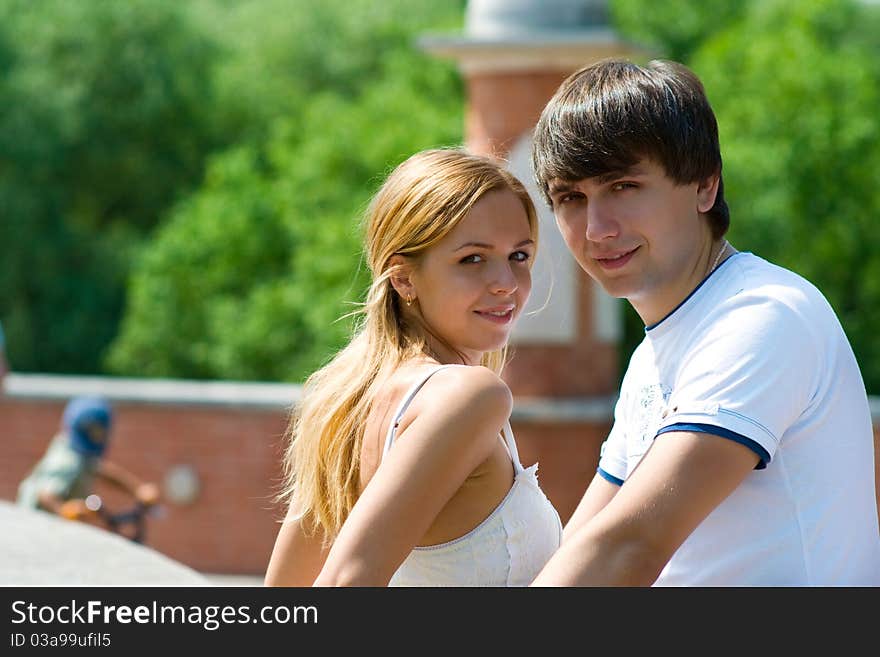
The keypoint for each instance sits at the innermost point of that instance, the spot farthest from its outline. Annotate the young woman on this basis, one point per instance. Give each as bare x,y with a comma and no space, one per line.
402,468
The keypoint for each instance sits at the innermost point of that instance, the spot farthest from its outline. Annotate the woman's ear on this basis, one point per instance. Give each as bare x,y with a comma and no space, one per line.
707,190
401,277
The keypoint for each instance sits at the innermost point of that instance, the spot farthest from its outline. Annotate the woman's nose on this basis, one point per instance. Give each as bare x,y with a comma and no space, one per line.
504,280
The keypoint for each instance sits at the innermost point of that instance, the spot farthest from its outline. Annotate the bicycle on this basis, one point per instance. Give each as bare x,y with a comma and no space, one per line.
129,522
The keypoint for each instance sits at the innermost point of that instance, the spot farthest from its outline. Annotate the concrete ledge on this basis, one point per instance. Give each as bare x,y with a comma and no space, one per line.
153,391
271,396
39,549
583,409
275,396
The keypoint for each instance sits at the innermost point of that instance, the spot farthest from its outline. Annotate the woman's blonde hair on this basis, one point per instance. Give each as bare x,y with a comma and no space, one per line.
421,201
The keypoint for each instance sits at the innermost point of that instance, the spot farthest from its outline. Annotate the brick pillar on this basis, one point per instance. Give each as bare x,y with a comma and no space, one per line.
513,56
565,344
557,352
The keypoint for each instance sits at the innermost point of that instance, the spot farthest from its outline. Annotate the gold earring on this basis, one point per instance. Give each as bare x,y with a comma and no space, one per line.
409,300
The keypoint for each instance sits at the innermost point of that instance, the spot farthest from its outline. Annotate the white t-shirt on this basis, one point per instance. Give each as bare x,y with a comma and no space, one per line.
756,354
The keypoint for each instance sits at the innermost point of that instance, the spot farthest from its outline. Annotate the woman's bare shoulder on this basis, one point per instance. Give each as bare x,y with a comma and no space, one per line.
465,388
474,378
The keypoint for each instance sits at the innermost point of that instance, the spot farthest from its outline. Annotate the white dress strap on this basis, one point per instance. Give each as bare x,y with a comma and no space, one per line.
404,404
510,442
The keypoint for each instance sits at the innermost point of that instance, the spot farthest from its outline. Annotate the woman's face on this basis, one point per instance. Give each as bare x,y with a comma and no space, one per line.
473,284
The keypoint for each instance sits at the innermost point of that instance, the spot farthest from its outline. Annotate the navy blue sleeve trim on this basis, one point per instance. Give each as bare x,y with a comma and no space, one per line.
608,477
762,453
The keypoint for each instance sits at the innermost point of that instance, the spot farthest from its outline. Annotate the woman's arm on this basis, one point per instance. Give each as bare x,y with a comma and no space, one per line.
298,555
454,430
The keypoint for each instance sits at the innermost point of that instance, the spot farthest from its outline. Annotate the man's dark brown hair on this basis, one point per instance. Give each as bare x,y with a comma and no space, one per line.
606,117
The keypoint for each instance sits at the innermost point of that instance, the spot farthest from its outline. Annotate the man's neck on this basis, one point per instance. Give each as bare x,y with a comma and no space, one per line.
656,305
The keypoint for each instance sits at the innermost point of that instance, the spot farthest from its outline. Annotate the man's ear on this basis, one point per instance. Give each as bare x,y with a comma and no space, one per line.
401,277
707,191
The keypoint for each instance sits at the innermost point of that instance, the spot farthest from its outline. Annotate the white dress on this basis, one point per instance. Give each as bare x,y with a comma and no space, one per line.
508,548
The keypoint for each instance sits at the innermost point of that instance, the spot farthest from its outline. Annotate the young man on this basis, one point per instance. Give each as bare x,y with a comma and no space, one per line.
65,475
742,450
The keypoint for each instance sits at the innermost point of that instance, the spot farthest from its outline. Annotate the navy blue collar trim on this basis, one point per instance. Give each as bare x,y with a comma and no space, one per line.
693,292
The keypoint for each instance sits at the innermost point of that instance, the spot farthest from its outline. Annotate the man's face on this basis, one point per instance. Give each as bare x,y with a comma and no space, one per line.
96,432
639,233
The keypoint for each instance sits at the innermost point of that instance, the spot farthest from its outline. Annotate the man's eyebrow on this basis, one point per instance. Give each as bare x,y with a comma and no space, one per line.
483,245
610,176
559,186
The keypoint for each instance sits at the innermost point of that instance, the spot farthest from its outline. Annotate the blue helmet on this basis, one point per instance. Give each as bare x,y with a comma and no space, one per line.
87,421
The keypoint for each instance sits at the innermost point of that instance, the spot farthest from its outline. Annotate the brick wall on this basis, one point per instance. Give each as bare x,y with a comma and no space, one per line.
234,452
231,436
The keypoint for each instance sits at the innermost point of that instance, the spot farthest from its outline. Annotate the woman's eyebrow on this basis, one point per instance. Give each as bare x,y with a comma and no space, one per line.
483,245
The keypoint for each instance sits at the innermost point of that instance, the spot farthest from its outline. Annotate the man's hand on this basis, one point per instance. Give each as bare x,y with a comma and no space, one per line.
147,494
74,509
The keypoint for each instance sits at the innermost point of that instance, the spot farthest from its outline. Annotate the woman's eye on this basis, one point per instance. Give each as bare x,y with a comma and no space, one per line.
473,258
520,256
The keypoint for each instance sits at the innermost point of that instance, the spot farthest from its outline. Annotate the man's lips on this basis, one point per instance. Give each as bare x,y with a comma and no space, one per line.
615,260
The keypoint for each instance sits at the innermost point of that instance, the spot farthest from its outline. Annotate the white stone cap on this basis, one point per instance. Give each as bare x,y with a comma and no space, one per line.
152,391
503,17
277,396
271,396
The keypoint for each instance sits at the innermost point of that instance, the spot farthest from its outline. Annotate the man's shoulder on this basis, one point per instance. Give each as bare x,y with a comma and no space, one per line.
754,275
756,286
61,456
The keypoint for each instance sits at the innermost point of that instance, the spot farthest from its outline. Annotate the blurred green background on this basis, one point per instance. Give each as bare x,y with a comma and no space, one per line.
181,183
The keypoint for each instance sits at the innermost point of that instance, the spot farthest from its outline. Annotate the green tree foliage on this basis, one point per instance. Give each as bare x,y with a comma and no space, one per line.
249,277
796,87
280,53
674,29
100,129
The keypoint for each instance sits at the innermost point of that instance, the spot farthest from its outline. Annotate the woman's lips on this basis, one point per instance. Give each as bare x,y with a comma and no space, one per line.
497,316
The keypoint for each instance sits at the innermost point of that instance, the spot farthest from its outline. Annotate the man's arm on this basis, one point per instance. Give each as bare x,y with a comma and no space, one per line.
680,480
71,509
146,492
599,493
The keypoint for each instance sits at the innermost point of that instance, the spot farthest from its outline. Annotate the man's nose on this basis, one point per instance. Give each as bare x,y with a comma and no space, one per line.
601,224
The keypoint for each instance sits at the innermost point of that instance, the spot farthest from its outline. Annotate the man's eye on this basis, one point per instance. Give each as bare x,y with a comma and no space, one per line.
620,186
